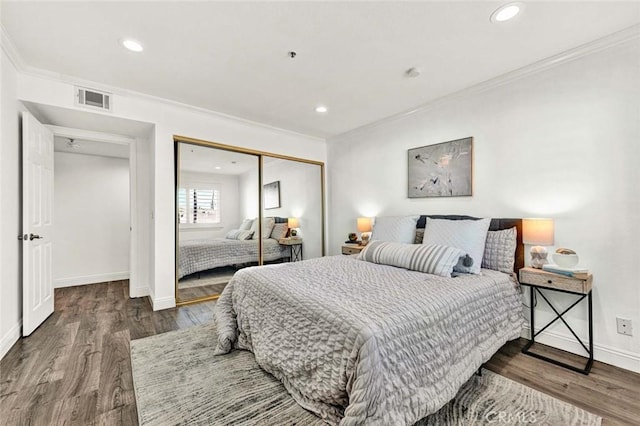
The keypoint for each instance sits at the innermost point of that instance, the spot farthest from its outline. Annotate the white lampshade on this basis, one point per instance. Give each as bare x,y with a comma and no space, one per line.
292,222
364,224
537,232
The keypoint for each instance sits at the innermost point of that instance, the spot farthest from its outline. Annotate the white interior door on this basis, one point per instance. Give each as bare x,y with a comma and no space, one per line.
37,223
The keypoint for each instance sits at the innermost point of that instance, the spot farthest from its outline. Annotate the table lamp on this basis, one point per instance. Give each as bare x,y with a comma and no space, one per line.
539,233
293,223
364,227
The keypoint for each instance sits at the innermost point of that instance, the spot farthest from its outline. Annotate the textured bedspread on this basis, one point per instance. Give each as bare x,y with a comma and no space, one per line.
200,255
357,342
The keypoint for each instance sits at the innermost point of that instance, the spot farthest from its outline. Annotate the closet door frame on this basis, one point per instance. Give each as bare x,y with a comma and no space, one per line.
177,139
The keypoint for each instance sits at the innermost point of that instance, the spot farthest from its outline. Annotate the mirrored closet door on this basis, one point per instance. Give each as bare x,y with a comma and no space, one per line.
237,208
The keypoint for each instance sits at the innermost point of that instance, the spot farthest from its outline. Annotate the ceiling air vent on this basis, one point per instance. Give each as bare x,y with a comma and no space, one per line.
93,99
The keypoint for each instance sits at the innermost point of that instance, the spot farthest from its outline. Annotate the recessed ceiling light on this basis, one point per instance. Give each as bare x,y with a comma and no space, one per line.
218,167
321,109
132,45
506,12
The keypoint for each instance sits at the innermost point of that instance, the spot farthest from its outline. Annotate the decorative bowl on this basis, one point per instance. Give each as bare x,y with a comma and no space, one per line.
566,260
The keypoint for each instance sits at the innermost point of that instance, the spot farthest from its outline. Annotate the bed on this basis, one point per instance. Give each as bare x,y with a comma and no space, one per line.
201,255
358,342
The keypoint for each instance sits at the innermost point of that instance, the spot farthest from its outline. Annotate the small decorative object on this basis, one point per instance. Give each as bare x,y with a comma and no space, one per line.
364,227
293,223
538,232
353,237
271,194
441,170
566,258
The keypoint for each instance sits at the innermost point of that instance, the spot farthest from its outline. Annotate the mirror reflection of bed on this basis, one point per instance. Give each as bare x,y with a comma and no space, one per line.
218,221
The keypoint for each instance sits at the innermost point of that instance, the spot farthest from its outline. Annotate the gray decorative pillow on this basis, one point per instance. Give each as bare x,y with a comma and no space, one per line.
279,231
244,235
237,234
232,234
399,229
467,235
246,225
267,227
500,249
432,259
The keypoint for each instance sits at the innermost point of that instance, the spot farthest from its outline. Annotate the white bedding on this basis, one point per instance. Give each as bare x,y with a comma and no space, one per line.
358,342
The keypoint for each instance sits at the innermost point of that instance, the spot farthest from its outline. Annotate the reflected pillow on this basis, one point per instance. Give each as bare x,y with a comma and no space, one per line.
267,226
500,250
399,229
246,225
467,235
432,259
279,231
237,234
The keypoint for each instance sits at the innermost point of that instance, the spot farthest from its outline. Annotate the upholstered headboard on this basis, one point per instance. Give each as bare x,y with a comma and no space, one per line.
497,224
281,219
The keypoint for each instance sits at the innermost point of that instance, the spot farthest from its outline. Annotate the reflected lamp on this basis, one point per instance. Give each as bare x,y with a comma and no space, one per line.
293,224
539,233
364,227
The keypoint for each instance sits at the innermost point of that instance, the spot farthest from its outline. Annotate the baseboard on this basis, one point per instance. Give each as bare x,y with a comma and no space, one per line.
90,279
603,353
139,291
8,340
161,303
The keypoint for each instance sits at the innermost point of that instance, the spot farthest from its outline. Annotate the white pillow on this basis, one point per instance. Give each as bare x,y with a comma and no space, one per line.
267,226
432,259
399,229
467,235
246,225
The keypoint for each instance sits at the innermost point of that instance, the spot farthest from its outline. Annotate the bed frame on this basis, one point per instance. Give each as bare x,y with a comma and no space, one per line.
497,224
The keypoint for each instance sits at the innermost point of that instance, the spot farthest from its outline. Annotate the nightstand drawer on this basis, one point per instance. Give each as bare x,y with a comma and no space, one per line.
541,278
346,249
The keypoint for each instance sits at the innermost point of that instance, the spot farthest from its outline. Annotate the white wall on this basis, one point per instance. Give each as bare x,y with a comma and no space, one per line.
229,204
300,196
91,219
561,143
10,213
171,119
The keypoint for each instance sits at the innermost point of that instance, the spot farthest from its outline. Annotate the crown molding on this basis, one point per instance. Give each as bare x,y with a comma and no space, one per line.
581,51
63,78
10,49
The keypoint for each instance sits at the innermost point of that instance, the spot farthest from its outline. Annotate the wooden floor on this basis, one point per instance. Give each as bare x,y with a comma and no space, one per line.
76,369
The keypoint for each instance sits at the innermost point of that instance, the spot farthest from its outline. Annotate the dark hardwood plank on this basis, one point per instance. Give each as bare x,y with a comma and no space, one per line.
76,368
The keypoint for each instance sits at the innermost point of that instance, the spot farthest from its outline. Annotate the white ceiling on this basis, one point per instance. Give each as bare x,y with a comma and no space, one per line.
89,147
231,57
195,158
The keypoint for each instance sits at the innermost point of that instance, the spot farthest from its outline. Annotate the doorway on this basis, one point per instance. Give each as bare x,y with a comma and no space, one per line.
94,207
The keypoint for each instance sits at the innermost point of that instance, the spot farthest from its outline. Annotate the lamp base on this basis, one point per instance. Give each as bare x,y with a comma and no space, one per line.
538,257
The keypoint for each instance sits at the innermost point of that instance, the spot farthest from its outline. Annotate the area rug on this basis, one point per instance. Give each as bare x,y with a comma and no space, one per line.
178,380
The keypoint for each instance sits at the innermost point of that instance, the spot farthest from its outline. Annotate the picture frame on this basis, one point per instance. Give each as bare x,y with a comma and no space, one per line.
441,170
271,195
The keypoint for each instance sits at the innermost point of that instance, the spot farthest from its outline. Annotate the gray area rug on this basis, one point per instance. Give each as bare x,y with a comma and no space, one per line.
178,380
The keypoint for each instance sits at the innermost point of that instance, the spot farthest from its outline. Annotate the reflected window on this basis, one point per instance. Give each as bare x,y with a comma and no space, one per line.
199,205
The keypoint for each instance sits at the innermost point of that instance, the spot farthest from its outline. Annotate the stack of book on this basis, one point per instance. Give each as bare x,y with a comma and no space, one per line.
575,272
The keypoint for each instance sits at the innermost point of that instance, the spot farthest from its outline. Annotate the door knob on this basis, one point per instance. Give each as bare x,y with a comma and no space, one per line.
34,237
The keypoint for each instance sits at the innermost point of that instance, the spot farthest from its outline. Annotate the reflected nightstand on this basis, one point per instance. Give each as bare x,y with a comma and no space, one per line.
295,248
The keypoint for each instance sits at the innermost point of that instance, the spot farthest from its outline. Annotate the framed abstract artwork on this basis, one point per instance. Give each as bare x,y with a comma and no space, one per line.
271,193
441,170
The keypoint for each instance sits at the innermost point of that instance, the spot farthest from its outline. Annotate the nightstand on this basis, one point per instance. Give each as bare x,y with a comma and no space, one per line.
352,248
539,280
295,248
